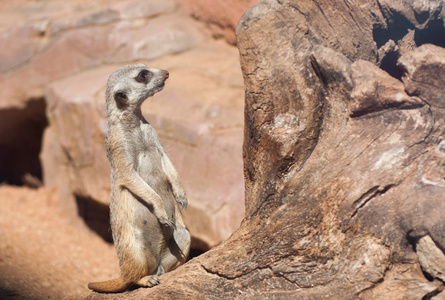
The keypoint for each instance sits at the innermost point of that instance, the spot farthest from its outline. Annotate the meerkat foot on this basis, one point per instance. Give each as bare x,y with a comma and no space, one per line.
152,280
149,281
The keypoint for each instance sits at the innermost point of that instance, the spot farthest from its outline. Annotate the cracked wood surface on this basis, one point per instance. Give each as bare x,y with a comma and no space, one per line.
344,164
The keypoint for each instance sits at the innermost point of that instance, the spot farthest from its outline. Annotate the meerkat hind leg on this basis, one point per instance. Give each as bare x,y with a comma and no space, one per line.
179,248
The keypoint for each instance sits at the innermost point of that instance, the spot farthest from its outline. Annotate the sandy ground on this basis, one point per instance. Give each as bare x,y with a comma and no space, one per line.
44,255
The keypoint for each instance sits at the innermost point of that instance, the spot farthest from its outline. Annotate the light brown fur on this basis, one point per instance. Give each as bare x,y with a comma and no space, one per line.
149,234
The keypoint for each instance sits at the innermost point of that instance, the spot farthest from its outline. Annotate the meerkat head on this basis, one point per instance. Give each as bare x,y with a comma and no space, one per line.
129,86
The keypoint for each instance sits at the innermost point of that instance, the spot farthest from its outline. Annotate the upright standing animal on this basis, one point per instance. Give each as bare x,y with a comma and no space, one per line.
149,234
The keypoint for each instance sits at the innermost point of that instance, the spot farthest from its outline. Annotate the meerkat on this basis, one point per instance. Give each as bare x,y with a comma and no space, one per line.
147,196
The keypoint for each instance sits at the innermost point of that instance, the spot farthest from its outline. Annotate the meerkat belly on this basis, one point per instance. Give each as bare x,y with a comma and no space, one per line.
151,171
151,231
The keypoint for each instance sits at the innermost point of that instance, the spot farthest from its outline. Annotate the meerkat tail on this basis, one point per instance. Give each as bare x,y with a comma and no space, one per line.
110,286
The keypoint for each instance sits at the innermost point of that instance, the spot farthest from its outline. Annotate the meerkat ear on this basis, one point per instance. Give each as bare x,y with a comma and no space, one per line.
121,99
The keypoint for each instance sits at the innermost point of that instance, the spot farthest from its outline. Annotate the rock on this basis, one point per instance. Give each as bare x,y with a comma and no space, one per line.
20,43
31,181
220,17
93,15
342,161
376,90
402,283
431,258
419,65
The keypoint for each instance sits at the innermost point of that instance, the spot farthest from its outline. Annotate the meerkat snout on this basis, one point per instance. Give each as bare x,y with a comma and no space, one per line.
155,77
163,76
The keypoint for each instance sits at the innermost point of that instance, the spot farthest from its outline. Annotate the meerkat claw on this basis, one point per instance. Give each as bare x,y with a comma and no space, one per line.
183,204
183,201
154,280
167,222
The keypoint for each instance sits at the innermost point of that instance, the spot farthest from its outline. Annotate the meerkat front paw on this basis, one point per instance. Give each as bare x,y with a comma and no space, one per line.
167,222
182,199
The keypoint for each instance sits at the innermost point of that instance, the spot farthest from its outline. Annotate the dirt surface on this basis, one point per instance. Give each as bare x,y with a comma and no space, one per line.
43,255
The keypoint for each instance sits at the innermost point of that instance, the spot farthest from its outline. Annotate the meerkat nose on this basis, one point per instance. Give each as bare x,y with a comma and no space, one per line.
167,74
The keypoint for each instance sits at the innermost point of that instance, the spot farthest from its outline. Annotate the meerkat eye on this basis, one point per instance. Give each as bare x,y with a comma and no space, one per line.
143,76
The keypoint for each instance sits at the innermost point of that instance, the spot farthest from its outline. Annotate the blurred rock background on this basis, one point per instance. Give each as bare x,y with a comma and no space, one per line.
55,59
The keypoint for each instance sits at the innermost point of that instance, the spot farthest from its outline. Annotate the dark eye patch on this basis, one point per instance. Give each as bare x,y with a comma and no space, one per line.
121,99
143,76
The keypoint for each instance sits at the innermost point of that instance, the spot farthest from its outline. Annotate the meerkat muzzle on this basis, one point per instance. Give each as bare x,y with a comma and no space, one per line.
165,74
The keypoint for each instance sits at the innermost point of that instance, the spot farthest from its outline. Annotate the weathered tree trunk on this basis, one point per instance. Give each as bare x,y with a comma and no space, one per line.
344,157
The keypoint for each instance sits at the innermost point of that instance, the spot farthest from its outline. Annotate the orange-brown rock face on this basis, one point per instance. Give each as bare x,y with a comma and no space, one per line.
343,157
220,17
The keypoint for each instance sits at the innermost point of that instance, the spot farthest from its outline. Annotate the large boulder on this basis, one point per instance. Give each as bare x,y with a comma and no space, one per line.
343,157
